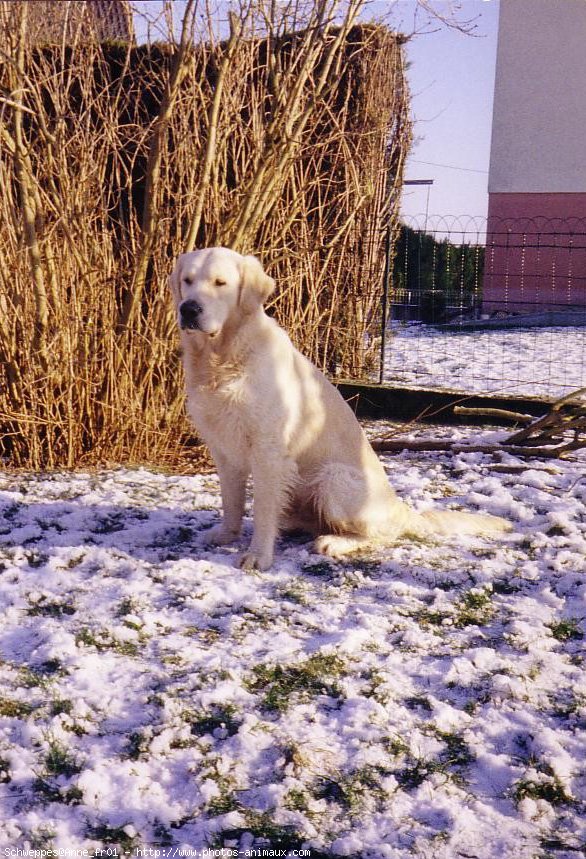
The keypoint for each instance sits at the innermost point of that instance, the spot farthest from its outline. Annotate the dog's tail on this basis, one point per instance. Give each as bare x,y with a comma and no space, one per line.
448,522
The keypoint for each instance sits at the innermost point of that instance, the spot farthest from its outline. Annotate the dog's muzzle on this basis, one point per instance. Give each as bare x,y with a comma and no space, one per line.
189,313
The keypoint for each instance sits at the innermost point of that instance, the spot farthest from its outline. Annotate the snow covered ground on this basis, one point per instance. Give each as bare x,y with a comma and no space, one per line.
543,362
426,700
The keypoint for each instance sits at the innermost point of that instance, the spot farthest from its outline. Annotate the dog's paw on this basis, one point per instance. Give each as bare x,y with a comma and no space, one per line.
336,546
255,561
219,535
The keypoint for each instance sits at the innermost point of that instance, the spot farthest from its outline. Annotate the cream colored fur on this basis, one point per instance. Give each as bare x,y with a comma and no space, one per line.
265,410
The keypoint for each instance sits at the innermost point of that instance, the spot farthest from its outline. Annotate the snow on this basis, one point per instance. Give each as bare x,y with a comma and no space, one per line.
423,700
543,362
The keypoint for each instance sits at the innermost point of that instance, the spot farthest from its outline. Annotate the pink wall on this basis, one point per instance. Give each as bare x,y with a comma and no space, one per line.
535,252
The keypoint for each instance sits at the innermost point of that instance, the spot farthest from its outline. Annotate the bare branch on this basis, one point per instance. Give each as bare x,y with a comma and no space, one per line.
178,72
236,26
27,196
555,435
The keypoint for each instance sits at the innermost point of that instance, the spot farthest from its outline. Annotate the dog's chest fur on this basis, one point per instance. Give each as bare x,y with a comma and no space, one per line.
217,394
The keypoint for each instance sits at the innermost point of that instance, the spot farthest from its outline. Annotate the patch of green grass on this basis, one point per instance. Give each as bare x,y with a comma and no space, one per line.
293,754
365,564
361,784
262,826
14,709
472,705
40,676
221,716
59,707
75,561
296,800
446,585
256,617
10,511
474,608
36,559
183,743
225,800
418,702
426,618
50,524
529,548
223,804
115,836
352,790
127,606
47,791
556,845
163,836
451,761
567,704
173,659
484,552
294,591
133,624
395,746
173,537
304,680
88,638
102,640
550,789
323,569
60,761
49,667
208,635
566,630
110,523
42,838
474,600
378,687
45,608
410,777
5,774
138,745
457,752
505,586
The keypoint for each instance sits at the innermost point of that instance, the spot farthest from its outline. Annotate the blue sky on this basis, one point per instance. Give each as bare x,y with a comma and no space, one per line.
451,76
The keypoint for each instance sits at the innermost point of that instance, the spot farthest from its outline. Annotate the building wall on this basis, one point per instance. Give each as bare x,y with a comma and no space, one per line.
535,255
537,179
539,115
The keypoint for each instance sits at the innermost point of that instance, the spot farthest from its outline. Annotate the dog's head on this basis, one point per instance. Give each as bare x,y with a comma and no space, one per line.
214,286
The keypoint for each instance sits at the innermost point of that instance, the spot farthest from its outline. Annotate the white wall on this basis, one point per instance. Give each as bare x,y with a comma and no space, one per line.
539,118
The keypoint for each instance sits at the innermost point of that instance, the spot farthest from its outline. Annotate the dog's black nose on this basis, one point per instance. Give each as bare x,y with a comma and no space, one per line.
189,313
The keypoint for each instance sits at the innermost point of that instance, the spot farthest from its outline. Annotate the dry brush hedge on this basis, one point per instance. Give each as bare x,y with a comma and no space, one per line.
114,159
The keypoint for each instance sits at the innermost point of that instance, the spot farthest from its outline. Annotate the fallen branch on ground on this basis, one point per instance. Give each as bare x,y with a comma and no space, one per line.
555,435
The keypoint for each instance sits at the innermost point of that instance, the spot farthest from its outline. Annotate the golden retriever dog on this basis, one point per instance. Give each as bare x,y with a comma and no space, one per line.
264,410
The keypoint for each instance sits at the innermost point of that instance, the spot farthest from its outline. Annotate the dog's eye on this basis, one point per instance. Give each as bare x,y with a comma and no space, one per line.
188,280
220,282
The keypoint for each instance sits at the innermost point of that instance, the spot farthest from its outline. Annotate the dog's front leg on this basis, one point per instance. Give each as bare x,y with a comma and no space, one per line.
233,489
272,478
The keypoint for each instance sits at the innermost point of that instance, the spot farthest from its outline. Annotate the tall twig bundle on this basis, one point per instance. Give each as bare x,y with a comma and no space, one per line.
114,159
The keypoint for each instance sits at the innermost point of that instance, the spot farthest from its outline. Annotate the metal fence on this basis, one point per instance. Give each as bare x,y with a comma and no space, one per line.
489,307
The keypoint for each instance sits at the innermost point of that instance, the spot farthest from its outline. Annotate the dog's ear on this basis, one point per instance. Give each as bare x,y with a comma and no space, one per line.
255,284
174,281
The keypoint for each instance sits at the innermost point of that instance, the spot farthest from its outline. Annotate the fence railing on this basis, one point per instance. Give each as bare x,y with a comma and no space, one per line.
515,289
